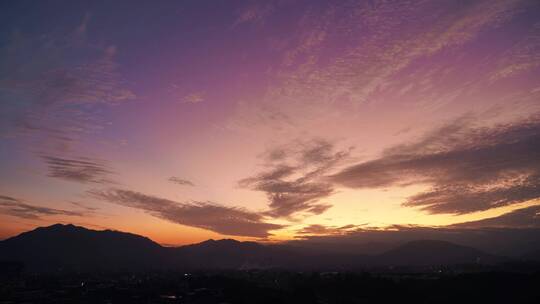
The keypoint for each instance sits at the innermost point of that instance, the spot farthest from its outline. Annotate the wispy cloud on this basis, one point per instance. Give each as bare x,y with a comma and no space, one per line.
297,187
521,58
84,206
469,168
206,215
528,217
348,56
180,181
19,208
42,90
317,229
82,169
255,13
385,46
194,98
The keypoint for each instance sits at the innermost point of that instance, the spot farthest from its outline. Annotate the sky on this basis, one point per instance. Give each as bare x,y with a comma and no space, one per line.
269,120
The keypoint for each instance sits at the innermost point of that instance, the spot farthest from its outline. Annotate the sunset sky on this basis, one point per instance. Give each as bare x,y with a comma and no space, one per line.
269,120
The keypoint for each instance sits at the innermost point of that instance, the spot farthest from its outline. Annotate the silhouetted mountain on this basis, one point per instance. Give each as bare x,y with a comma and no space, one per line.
67,247
430,252
230,254
76,248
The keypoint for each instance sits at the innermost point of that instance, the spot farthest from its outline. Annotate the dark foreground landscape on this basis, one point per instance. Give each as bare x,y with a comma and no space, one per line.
70,264
272,287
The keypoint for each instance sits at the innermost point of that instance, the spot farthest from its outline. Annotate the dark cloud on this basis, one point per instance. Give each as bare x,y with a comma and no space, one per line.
287,198
18,208
206,215
82,170
528,217
276,154
470,168
316,229
181,181
297,187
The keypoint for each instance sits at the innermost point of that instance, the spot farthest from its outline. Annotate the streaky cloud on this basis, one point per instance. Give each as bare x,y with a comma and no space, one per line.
180,181
317,229
56,82
469,168
528,217
18,208
82,169
206,215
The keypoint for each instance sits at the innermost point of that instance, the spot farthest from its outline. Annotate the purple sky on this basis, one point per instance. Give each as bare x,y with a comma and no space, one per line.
269,120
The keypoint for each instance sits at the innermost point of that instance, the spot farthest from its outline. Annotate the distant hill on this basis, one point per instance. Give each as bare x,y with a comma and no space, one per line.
71,248
431,252
232,254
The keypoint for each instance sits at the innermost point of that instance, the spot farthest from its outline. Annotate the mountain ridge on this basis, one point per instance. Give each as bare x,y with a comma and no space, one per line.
70,247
